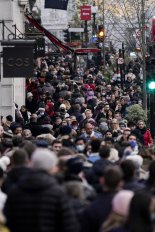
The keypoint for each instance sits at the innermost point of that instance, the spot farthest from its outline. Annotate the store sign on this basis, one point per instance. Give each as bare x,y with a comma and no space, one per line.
18,61
86,13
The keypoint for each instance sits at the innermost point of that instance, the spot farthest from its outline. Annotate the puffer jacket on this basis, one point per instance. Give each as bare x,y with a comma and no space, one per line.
38,204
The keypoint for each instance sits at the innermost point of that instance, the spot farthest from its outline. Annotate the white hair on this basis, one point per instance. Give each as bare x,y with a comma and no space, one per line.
43,159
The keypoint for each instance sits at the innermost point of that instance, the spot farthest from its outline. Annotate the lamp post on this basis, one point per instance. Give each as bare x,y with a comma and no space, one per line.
143,54
103,48
94,11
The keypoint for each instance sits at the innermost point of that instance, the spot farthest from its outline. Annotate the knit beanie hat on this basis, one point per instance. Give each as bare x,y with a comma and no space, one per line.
121,202
65,130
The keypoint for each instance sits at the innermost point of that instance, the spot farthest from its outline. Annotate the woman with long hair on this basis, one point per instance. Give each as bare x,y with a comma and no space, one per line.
120,210
140,217
140,213
145,133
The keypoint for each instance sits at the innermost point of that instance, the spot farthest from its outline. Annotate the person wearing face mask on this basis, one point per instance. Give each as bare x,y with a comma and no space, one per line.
41,114
63,111
80,145
134,146
75,125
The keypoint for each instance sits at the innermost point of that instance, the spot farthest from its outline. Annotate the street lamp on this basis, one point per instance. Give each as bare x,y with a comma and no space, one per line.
94,11
143,54
103,49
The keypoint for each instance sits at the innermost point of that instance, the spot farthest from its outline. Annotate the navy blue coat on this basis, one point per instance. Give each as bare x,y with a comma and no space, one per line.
97,212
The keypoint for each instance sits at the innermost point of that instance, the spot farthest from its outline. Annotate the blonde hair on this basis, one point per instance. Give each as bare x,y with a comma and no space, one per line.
113,221
142,122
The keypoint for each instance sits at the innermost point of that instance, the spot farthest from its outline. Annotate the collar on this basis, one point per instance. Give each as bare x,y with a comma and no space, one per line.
92,134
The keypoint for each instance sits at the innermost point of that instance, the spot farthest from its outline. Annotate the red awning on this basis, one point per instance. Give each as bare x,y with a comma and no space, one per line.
49,35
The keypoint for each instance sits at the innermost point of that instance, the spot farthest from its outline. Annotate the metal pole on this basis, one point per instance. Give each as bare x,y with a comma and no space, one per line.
94,22
143,56
103,49
86,34
152,113
15,31
93,26
121,70
123,56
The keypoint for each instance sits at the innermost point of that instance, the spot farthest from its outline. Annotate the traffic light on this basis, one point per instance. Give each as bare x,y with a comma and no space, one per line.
74,36
66,35
101,33
150,75
150,82
151,85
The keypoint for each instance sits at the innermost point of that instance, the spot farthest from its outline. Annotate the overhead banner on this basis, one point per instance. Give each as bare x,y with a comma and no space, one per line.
56,4
18,61
86,13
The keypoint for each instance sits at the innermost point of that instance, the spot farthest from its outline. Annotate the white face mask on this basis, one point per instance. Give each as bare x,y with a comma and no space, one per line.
80,147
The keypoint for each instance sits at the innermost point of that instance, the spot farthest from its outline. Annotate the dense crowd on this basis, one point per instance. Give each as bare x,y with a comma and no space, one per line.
72,160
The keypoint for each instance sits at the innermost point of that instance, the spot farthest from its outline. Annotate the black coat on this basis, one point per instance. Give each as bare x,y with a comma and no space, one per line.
13,177
38,204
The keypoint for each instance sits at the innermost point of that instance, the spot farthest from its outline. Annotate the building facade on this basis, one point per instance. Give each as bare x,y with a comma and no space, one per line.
53,20
12,90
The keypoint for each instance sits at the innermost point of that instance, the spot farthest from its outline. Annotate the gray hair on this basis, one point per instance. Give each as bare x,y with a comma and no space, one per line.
43,159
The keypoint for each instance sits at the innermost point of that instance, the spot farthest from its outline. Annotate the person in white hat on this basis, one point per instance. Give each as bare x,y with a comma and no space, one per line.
120,210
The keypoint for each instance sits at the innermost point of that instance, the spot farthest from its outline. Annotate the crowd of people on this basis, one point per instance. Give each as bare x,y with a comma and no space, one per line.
70,159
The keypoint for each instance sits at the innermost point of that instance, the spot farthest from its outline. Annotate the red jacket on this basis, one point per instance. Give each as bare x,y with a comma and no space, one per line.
148,141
